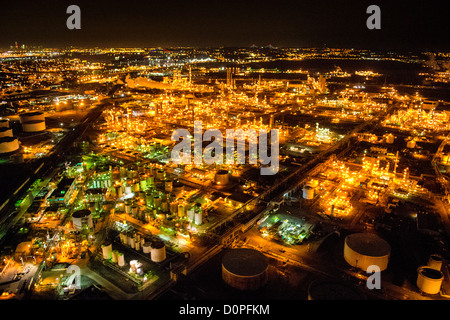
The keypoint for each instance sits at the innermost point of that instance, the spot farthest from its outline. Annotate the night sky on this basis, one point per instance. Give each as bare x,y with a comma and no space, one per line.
147,23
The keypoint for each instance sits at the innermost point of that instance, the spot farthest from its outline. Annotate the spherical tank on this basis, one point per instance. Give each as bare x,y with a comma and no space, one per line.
429,280
245,269
362,250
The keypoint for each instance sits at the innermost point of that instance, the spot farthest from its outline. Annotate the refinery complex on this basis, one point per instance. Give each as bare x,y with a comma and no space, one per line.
94,206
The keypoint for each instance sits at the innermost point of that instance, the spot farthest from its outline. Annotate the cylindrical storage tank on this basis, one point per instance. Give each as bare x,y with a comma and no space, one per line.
149,198
120,259
362,250
146,248
128,189
114,256
150,180
5,132
119,191
165,207
308,192
9,144
82,218
123,238
33,126
390,138
132,243
129,238
435,262
158,201
136,187
127,207
137,246
143,185
178,187
4,123
160,174
245,269
181,210
198,218
429,280
222,177
173,207
190,214
411,144
331,290
31,116
107,251
158,251
168,185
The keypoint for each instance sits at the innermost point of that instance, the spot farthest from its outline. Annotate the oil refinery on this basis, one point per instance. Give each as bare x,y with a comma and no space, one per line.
361,180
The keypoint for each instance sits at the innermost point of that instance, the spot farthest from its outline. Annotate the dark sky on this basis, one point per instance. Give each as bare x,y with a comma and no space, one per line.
145,23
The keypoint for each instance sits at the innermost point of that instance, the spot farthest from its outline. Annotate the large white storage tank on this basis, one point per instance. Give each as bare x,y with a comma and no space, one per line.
9,144
191,214
146,247
198,218
429,280
362,250
33,126
31,116
82,218
308,192
107,251
120,259
158,251
115,256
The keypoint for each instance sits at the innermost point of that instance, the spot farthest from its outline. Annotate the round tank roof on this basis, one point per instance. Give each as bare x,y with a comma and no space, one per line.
31,113
431,273
368,244
7,139
81,213
222,171
245,262
157,244
436,257
332,290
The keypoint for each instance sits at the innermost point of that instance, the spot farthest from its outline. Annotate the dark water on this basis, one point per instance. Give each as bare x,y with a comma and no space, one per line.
403,76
